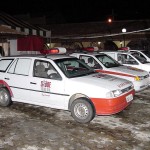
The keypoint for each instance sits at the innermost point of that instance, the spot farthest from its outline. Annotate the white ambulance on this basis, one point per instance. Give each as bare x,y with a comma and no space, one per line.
105,64
62,82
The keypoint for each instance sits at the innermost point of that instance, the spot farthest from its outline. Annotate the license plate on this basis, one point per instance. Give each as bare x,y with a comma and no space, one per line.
129,98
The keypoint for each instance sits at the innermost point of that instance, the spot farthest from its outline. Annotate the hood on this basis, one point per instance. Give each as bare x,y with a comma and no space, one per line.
104,81
129,70
146,67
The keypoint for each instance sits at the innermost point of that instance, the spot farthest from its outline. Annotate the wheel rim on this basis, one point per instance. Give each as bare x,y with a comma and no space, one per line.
3,97
81,111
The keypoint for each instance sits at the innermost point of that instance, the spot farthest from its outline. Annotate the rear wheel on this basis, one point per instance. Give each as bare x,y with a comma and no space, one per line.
82,110
5,99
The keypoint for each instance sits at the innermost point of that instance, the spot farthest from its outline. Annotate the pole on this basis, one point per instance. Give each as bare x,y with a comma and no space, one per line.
124,31
50,39
124,39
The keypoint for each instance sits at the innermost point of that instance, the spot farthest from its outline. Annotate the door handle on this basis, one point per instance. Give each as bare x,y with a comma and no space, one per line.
6,78
32,83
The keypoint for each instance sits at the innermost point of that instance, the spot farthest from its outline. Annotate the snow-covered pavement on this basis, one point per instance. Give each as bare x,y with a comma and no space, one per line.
28,127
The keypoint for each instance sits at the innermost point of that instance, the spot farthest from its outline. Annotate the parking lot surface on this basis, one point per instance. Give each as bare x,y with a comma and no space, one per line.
28,127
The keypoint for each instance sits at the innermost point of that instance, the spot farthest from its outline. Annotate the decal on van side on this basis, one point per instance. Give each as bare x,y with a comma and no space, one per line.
45,86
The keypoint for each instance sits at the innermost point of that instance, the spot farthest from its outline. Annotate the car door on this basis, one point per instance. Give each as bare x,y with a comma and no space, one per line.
48,90
18,79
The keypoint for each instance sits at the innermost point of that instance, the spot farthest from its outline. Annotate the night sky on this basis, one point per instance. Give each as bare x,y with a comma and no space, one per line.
76,11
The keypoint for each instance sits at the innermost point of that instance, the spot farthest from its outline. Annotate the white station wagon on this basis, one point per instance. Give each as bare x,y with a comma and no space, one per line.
62,82
141,53
105,64
130,58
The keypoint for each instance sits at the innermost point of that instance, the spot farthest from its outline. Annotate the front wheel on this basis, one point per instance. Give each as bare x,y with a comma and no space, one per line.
5,98
82,110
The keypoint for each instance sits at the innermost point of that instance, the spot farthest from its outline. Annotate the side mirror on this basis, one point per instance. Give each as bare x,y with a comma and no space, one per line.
55,76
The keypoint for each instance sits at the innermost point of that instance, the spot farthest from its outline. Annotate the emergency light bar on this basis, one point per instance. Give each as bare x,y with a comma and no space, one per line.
55,50
124,48
91,49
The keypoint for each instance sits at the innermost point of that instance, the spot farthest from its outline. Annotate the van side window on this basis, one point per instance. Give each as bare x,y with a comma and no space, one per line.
127,59
44,69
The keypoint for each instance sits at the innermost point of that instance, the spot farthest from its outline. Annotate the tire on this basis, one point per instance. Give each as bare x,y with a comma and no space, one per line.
5,98
82,110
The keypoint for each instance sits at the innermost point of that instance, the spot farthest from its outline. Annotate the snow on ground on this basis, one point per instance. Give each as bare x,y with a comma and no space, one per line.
28,127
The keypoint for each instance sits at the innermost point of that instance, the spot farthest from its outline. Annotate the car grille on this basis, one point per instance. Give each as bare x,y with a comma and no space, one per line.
126,89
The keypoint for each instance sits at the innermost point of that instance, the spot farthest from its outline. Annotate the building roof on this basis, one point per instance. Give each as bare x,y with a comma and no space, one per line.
100,30
21,26
7,32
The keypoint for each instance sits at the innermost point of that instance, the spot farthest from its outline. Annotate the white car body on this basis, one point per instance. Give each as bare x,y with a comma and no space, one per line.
141,54
128,59
26,81
121,71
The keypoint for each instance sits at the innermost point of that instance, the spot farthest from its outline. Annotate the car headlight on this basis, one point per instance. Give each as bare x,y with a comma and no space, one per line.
114,93
141,77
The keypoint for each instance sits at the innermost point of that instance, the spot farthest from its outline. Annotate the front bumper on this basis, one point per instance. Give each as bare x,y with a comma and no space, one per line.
104,106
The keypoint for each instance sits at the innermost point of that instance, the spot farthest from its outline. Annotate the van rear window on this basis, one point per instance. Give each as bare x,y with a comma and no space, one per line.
4,64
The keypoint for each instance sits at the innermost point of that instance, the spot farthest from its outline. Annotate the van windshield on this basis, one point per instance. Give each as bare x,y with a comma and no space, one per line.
139,57
73,67
108,61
